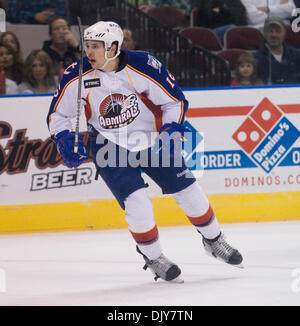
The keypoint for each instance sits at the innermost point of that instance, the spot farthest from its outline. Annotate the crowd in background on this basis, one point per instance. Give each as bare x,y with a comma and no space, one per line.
42,69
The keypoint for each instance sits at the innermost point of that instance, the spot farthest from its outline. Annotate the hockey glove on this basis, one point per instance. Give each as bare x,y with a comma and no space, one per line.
171,137
65,145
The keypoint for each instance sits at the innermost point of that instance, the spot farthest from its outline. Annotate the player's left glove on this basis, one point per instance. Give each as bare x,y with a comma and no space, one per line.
171,137
65,145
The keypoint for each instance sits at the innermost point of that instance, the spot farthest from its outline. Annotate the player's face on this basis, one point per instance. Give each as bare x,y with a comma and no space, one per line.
95,52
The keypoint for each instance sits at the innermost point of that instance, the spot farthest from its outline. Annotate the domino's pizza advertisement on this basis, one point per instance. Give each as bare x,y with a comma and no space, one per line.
266,135
250,148
243,141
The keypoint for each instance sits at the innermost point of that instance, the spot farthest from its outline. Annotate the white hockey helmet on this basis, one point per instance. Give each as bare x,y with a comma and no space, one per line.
107,32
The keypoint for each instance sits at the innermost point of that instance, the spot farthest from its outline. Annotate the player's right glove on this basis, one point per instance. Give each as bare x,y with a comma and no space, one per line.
64,141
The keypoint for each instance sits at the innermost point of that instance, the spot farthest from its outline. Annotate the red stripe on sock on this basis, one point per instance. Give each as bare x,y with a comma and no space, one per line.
203,219
145,236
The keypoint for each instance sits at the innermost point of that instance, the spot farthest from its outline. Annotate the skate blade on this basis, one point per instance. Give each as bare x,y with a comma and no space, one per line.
241,266
177,279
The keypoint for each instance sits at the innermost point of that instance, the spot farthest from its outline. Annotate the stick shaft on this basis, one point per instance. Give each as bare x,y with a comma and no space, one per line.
79,87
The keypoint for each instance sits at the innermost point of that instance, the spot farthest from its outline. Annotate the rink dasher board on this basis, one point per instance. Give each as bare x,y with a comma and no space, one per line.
38,195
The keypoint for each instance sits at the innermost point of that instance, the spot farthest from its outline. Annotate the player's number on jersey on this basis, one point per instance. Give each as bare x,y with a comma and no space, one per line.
170,79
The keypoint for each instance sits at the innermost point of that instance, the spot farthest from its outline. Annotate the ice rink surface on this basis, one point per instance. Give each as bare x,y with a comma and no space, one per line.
101,268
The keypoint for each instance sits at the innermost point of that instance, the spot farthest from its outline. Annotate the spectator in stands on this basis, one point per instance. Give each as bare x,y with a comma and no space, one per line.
11,39
220,15
146,7
7,85
12,67
129,41
246,71
39,75
283,60
34,12
63,47
259,10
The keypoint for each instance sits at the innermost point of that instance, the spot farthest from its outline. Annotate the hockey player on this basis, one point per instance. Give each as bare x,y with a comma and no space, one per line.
128,93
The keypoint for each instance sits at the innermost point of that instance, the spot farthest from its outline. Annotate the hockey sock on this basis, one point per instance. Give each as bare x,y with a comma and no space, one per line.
207,224
140,218
194,203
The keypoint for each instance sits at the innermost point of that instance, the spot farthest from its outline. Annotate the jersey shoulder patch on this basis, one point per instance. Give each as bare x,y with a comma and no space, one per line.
150,67
146,63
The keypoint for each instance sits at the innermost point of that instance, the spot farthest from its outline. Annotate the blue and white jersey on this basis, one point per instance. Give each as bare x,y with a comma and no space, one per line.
130,103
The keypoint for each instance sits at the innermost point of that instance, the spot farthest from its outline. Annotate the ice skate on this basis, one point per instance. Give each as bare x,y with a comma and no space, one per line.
162,268
221,250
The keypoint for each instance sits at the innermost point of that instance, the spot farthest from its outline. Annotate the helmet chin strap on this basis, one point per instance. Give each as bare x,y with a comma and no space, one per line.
107,60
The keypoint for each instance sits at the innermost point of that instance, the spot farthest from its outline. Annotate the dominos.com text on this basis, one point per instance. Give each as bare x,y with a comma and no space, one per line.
261,181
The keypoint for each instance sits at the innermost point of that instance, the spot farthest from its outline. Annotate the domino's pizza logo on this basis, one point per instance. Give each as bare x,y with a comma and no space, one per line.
266,135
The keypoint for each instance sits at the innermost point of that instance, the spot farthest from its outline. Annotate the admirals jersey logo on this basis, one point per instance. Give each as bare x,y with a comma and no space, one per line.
266,135
118,110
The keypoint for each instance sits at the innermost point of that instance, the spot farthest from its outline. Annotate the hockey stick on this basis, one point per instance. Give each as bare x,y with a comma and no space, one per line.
79,87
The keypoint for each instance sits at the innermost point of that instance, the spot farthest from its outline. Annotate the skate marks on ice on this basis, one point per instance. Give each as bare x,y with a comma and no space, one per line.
100,282
102,268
